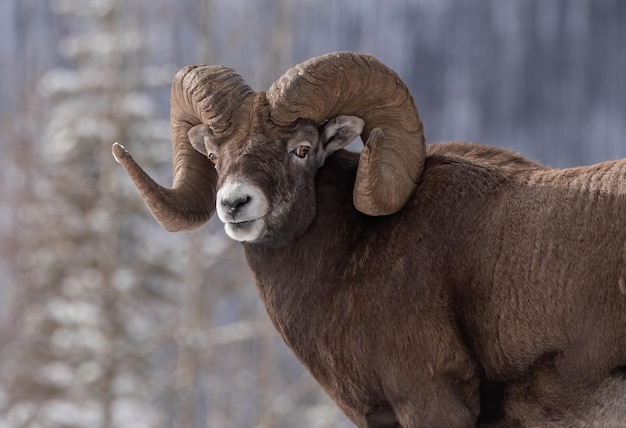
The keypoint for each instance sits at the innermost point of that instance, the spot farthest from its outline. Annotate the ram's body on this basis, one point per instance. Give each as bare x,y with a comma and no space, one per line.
445,287
494,268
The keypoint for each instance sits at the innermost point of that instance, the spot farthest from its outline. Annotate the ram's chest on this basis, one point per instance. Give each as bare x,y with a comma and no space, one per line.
314,325
330,335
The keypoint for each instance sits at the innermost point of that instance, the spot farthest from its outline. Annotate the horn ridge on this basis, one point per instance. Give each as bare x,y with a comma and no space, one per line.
213,95
360,85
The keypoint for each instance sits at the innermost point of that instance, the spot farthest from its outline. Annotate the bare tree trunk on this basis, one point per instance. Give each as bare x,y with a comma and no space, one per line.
107,261
108,240
280,55
204,43
266,372
188,334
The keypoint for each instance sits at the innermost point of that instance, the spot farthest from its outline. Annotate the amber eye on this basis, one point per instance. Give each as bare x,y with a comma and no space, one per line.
301,151
213,158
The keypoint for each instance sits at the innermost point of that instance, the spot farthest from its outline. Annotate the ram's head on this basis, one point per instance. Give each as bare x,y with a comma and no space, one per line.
253,156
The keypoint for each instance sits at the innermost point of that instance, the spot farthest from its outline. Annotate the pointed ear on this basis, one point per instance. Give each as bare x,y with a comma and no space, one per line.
340,131
197,136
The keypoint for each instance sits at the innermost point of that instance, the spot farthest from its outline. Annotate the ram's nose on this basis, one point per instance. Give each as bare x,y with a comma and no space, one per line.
233,204
240,202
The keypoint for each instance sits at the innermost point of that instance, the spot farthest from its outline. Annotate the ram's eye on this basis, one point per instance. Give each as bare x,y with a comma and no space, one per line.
213,158
302,151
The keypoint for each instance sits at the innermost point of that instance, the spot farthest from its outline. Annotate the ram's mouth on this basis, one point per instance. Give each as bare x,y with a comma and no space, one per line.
239,223
245,230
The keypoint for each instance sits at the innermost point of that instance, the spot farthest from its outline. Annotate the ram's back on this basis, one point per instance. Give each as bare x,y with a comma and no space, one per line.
542,289
545,256
540,284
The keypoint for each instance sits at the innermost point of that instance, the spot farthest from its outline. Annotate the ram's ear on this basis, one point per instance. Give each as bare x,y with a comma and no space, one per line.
340,131
197,136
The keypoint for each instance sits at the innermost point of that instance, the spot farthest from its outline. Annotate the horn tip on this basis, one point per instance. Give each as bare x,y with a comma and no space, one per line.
119,152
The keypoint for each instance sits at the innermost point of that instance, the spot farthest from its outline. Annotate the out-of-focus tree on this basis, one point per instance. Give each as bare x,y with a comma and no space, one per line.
115,322
82,315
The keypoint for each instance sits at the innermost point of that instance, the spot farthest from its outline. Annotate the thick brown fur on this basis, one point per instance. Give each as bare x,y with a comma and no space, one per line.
494,296
501,280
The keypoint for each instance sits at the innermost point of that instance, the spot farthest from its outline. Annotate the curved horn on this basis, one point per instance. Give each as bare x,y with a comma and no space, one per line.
392,160
211,95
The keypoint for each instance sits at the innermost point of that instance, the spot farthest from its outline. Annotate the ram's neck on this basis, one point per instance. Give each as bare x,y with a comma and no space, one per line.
296,281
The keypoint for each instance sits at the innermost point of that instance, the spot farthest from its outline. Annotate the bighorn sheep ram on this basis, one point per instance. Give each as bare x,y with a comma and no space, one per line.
442,286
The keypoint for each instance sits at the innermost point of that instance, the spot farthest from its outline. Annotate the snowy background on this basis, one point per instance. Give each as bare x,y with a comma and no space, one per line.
106,320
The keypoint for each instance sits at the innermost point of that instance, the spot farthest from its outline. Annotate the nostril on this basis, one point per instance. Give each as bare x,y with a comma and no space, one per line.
234,204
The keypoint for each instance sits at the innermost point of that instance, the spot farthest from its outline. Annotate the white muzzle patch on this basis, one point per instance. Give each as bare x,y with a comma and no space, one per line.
242,207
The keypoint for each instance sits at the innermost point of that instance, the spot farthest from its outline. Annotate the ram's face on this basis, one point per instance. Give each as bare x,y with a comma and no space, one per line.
266,179
258,141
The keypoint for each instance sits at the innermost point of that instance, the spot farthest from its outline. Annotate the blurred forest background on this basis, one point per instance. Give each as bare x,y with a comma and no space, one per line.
106,320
